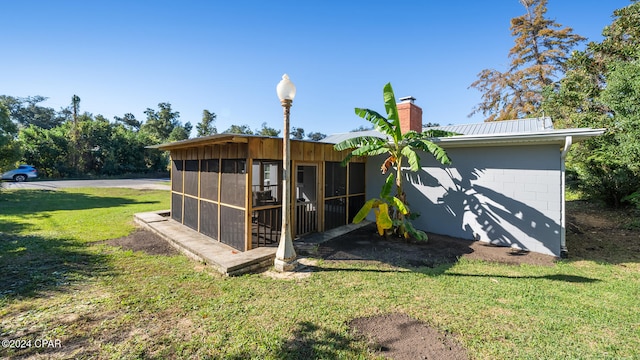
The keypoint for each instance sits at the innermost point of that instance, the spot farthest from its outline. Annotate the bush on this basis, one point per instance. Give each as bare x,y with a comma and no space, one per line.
612,182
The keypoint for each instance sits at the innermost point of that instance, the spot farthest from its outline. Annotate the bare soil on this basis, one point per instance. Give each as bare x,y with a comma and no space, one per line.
145,241
593,233
400,337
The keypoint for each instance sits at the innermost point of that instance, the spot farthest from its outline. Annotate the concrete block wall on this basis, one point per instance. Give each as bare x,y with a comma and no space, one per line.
505,195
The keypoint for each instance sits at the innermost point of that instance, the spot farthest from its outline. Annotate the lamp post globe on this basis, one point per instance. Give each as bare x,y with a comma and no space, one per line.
286,254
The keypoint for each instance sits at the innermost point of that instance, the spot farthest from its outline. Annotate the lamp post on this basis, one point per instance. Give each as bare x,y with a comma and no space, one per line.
286,254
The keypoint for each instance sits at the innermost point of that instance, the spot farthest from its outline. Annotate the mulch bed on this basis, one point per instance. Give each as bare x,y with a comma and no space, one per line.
365,245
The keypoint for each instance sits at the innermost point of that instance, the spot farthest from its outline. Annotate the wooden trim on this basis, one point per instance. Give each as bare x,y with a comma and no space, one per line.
248,204
218,152
321,171
199,184
171,185
183,172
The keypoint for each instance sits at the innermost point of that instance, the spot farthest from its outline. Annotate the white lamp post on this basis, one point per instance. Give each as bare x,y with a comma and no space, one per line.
286,254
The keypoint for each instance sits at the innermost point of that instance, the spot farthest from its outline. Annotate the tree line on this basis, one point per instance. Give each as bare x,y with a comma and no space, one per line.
597,87
70,143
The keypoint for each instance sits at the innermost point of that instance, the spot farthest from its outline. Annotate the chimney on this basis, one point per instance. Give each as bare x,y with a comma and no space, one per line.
410,115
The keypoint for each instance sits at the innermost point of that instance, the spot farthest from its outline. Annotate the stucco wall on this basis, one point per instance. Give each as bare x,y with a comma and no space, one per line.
509,195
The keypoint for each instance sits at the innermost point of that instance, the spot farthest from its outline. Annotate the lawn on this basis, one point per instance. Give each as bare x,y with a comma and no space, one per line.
60,282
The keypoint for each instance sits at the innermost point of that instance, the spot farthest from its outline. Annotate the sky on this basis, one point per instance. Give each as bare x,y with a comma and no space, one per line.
228,56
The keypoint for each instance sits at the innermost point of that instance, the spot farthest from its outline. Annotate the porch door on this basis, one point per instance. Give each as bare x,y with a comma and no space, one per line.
306,199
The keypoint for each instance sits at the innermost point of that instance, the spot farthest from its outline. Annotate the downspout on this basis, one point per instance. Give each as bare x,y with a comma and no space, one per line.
564,252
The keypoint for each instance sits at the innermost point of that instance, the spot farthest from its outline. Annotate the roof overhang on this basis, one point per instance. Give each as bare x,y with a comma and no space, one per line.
529,138
205,140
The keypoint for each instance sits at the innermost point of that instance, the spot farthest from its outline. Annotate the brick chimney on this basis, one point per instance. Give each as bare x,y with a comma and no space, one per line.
410,115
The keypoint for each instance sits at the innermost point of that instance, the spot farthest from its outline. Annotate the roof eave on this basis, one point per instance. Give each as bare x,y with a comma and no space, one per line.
542,137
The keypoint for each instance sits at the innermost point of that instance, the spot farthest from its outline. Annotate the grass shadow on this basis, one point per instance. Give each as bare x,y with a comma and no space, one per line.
311,341
555,277
33,265
36,202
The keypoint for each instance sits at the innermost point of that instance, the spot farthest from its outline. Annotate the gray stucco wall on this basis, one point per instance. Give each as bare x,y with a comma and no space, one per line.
505,195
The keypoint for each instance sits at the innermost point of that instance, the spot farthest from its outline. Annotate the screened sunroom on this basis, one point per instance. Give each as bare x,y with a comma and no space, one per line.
229,188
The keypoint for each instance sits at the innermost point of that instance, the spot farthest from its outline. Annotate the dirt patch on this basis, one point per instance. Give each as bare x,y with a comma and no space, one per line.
365,245
400,337
145,241
601,234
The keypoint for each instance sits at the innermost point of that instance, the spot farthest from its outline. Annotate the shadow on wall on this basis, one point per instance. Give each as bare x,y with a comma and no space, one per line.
459,206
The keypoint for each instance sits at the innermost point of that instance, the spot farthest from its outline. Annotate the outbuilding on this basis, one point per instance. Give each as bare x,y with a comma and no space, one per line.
229,188
505,185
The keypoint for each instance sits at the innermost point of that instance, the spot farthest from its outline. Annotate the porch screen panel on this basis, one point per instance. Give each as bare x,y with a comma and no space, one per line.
335,211
233,182
176,207
176,175
232,229
356,178
209,174
355,204
335,179
209,219
191,177
191,212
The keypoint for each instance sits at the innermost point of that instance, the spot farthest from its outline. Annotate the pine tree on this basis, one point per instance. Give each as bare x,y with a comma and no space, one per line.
207,125
537,59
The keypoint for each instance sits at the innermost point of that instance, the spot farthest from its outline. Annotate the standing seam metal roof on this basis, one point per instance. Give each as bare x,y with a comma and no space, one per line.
532,125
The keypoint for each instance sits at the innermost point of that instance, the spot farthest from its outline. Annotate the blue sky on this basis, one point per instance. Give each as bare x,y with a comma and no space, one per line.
228,56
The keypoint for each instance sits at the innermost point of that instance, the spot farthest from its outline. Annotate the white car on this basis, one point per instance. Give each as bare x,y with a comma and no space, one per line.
22,173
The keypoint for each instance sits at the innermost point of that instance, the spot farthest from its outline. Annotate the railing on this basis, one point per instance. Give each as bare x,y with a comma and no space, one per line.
306,217
265,227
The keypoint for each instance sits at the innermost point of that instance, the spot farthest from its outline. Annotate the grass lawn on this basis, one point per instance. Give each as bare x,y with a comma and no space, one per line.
58,282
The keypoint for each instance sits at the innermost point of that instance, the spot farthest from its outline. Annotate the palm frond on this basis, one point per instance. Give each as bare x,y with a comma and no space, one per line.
412,158
379,122
357,142
370,150
433,149
391,107
388,185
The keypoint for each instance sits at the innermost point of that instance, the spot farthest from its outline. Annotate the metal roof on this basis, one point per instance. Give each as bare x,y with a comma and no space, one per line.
538,130
500,127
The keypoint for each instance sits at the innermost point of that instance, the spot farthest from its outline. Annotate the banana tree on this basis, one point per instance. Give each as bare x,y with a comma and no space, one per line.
392,212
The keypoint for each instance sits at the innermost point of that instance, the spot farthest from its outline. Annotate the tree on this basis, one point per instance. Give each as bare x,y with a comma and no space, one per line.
75,148
239,129
297,133
161,123
207,125
601,89
392,212
267,131
9,147
316,136
537,59
181,132
362,128
26,111
129,120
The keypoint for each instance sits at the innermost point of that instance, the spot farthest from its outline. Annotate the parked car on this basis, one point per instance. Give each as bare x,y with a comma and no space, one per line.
22,173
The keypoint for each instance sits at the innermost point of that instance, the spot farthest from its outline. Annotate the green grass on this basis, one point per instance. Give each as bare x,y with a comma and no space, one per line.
58,282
